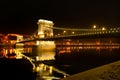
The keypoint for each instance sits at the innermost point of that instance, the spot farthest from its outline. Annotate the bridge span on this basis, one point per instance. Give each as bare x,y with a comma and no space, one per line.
45,33
78,36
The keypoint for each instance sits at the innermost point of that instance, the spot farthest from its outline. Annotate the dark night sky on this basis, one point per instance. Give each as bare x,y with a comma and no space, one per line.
21,16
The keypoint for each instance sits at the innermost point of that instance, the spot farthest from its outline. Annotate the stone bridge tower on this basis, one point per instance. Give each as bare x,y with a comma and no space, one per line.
45,28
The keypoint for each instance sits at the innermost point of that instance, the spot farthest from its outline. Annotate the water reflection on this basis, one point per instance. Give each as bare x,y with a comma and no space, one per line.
36,53
2,52
83,58
9,53
78,48
45,55
67,59
45,72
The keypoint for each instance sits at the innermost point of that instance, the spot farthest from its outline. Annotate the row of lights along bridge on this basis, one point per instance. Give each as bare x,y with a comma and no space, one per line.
93,30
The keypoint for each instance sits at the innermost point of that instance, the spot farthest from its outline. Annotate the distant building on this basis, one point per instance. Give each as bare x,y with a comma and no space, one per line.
13,38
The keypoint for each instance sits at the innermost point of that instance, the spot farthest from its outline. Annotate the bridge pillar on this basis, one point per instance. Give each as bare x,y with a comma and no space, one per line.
45,28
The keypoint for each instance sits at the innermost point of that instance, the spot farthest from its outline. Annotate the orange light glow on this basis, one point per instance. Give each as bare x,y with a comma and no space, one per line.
98,43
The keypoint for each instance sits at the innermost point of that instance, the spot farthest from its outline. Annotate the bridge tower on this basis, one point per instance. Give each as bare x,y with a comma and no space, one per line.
45,28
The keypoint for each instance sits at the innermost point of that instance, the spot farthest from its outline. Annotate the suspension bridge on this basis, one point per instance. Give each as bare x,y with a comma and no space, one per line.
46,36
46,30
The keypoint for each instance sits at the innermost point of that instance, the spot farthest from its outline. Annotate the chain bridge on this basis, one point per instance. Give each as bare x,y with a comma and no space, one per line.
46,31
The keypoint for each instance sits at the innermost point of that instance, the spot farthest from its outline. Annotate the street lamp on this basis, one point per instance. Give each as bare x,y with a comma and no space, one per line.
64,32
94,26
73,32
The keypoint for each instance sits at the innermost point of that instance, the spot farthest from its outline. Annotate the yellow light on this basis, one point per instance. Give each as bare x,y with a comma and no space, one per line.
103,28
73,32
37,42
40,33
38,68
41,65
64,31
94,26
44,21
58,34
51,68
41,36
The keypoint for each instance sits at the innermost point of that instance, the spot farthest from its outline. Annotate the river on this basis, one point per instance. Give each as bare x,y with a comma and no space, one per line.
70,60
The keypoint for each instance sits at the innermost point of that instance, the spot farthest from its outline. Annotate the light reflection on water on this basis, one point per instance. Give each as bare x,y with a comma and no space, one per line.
78,48
82,58
79,58
45,55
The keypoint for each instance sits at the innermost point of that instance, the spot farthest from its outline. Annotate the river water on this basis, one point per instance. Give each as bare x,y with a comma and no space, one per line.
71,60
77,59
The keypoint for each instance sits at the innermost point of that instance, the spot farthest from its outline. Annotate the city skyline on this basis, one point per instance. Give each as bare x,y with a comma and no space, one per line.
22,16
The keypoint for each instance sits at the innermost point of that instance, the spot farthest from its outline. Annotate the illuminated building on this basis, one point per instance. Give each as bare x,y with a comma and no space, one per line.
13,38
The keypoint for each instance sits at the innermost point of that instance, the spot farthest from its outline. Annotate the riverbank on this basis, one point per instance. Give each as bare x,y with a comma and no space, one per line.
106,72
